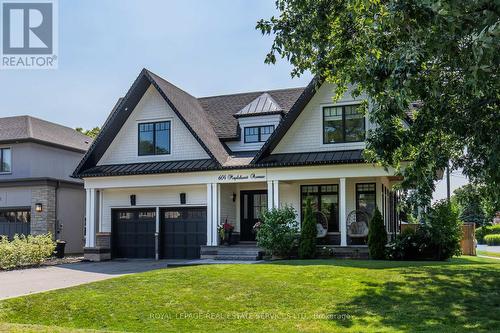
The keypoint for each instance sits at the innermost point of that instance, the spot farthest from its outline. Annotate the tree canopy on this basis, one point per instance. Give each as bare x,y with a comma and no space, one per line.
90,132
435,61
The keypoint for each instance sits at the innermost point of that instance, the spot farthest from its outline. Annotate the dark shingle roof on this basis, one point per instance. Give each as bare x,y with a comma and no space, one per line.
27,128
221,109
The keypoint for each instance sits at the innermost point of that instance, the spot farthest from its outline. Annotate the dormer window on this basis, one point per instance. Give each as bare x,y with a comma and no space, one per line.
343,124
154,138
258,133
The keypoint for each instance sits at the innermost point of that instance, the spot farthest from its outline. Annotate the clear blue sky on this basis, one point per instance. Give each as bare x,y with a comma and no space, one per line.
204,47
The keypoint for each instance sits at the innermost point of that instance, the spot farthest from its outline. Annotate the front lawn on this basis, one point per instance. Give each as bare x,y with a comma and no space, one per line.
488,254
316,296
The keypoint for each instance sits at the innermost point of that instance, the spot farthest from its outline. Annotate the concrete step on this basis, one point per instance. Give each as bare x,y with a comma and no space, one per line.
236,257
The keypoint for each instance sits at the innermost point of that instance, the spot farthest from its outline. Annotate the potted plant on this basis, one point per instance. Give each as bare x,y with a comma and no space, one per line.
226,232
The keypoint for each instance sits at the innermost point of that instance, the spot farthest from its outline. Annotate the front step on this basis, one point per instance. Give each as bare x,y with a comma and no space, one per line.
233,252
349,252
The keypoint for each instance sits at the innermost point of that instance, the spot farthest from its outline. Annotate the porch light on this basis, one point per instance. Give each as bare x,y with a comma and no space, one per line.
38,207
233,196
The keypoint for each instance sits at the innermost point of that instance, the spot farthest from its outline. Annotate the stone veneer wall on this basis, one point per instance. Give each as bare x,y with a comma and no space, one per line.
44,221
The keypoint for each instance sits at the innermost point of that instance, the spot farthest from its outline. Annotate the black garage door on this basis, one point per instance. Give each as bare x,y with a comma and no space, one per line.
133,233
182,231
14,221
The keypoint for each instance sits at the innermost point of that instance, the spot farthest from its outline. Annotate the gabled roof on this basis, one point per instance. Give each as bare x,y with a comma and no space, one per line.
221,109
185,106
262,105
27,128
287,122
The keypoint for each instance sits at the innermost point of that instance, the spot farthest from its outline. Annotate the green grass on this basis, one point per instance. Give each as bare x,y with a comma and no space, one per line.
462,295
488,254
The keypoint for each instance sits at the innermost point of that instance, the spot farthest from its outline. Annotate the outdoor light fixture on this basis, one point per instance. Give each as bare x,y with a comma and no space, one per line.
132,200
233,197
183,198
38,207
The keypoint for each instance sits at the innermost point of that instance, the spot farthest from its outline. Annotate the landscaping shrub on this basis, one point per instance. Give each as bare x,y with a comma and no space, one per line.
277,234
486,230
377,237
492,239
308,233
438,238
25,250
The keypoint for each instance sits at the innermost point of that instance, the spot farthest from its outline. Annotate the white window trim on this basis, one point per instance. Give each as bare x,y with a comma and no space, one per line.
154,120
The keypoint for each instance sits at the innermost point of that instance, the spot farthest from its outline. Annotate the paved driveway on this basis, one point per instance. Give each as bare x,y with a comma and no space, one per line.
35,280
489,248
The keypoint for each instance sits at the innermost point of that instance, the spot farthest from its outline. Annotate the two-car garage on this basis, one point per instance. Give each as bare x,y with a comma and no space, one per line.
181,232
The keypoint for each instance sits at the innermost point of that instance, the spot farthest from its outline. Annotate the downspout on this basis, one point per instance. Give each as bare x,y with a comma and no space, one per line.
56,220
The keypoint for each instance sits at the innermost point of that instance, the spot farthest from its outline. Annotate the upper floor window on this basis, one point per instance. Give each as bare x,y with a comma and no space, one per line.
5,160
154,138
343,124
258,133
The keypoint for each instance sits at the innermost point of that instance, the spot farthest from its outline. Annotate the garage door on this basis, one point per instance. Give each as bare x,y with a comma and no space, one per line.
133,233
14,221
183,231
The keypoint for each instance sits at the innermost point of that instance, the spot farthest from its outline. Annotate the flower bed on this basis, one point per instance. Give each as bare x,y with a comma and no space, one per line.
25,250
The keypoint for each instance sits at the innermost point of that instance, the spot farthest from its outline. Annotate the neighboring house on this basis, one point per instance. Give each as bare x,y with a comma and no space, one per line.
37,193
168,168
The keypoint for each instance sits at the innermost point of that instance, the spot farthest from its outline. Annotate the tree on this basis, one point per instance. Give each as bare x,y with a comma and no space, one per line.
308,233
475,204
377,236
432,63
91,132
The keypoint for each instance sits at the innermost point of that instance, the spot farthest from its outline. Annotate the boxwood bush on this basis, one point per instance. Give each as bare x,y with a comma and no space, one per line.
492,239
486,230
25,250
278,232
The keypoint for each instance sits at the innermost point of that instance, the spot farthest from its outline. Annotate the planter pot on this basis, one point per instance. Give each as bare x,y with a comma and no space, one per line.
227,237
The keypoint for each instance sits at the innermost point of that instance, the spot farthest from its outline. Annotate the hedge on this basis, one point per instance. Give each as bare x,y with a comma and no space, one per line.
492,239
486,230
25,250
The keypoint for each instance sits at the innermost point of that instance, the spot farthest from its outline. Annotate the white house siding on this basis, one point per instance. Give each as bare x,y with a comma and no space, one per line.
251,122
152,107
227,205
196,195
306,133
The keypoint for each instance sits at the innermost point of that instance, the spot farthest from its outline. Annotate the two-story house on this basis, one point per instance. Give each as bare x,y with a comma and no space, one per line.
169,168
37,193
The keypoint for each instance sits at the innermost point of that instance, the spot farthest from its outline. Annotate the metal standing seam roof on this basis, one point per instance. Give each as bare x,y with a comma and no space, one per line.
264,104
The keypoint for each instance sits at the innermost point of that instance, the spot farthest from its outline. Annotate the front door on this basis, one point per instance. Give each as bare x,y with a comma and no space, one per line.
252,204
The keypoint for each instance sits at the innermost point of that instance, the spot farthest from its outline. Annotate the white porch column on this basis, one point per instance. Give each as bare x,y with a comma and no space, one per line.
343,212
157,234
213,206
90,217
276,193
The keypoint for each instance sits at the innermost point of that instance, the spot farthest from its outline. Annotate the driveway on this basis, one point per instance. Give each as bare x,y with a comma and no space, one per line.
34,280
487,248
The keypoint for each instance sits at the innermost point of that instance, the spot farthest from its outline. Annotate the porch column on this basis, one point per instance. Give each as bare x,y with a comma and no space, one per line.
343,212
273,196
157,234
90,217
212,213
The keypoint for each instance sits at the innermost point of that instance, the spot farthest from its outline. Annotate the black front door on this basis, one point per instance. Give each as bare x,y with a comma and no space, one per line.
252,204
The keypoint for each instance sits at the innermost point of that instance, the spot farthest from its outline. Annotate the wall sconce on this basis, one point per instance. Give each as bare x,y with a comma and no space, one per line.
132,200
38,207
233,197
182,197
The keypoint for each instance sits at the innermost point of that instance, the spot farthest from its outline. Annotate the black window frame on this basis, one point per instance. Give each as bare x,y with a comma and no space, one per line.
370,192
154,138
319,194
343,124
259,135
2,149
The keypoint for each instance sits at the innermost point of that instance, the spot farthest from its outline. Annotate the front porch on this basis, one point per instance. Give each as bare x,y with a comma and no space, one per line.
342,206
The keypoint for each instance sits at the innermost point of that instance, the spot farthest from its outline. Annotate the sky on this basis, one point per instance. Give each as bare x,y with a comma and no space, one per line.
204,47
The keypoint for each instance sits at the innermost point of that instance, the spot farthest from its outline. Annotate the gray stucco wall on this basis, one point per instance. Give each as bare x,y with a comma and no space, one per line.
71,218
33,160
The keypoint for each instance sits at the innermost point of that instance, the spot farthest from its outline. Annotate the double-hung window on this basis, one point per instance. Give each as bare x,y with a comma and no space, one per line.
258,133
5,160
366,198
343,124
154,138
325,204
